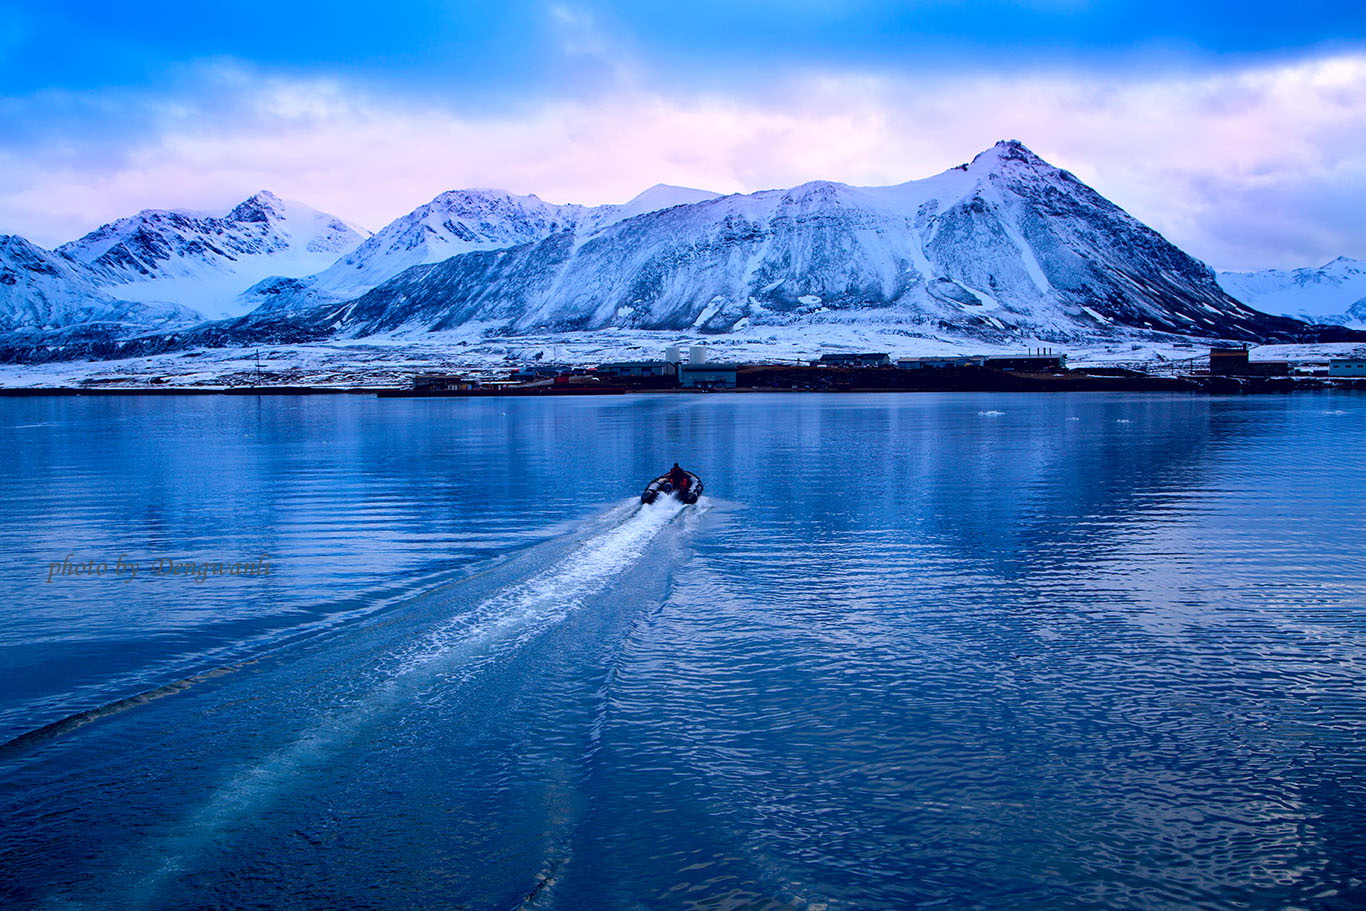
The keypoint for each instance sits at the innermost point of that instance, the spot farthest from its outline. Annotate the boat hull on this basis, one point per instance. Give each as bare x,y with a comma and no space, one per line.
663,487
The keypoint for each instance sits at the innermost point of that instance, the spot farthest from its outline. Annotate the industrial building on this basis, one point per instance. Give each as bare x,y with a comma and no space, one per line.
939,363
1042,360
1347,366
707,376
637,369
853,360
1238,362
442,382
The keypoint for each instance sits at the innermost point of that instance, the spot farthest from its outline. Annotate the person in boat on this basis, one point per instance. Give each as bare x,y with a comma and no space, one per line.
679,478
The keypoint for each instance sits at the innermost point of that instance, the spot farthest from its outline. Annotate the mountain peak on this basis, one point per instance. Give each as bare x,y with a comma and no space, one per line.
482,193
16,249
14,240
669,190
1010,153
483,202
259,206
665,196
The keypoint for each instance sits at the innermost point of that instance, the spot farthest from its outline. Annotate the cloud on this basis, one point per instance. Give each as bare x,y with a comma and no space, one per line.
1245,168
578,31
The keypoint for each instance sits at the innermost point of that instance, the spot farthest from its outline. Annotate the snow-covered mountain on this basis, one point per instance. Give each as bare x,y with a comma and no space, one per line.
1006,246
656,199
1334,293
40,290
455,222
205,261
1003,251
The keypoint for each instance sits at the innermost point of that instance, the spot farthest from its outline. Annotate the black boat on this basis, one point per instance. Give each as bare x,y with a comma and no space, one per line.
662,485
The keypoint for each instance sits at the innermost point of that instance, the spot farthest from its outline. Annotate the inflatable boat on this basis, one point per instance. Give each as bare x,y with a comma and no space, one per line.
662,485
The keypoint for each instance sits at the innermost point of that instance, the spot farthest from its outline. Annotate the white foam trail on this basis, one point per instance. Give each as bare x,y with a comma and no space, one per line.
522,611
500,623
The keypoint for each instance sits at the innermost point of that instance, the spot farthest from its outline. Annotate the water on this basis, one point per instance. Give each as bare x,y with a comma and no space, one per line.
918,651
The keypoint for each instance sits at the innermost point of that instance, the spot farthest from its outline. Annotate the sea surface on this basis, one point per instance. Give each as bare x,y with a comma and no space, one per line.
909,651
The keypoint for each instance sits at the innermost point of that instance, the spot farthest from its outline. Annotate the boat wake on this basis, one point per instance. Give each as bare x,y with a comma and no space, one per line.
520,612
456,650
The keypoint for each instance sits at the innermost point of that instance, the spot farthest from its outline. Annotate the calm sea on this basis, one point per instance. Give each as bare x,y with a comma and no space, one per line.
962,651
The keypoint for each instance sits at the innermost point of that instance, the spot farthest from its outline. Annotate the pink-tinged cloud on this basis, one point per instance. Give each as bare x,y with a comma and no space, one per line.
1246,169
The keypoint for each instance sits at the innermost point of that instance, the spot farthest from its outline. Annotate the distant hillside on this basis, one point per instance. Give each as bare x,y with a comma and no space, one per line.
1334,293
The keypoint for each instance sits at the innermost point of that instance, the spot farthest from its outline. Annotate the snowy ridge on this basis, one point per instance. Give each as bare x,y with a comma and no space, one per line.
656,199
40,290
458,221
1006,246
1334,293
205,261
455,222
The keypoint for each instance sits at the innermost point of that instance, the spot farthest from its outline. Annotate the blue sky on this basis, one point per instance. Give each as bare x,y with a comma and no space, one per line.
469,47
1232,127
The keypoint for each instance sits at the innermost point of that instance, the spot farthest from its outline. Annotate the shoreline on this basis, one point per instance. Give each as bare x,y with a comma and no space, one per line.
1006,382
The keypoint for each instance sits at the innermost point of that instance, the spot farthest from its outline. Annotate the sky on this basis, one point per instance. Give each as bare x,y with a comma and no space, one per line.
1234,128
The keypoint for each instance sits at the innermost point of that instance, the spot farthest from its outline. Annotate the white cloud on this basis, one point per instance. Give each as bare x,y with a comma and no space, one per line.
1245,168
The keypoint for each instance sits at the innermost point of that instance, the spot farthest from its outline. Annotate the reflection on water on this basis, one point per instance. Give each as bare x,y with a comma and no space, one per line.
1065,651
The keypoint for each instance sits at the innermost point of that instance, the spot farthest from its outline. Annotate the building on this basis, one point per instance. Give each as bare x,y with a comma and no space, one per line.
442,382
1237,362
854,360
1228,361
707,376
939,363
638,368
540,371
1037,361
1347,366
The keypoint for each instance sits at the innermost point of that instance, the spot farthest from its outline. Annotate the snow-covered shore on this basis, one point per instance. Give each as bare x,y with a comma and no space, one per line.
387,363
